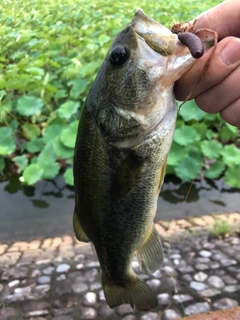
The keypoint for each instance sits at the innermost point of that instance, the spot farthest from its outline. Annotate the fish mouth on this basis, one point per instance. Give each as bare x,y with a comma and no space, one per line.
158,37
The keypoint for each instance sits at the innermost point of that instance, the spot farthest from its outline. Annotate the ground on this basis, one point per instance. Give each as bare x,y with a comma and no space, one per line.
60,278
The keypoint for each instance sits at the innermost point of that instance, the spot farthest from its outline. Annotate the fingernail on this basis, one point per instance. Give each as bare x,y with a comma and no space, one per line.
231,52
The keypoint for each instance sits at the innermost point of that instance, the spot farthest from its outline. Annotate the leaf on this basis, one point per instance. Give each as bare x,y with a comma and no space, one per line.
68,176
211,149
187,169
51,132
185,135
32,173
29,105
201,129
68,135
30,131
88,69
190,111
46,161
228,132
21,162
35,145
35,71
7,142
60,150
176,154
231,155
2,164
14,125
79,86
67,109
215,170
232,177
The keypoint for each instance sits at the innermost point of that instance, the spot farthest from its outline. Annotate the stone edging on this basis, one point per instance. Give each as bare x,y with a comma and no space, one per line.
193,225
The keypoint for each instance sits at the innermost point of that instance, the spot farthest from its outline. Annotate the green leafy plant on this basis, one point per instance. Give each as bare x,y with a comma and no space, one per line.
199,148
220,228
50,52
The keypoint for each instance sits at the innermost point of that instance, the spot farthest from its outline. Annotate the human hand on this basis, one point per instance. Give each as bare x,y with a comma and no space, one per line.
219,88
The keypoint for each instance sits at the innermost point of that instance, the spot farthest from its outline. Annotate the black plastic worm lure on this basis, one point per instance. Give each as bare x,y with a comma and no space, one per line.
193,43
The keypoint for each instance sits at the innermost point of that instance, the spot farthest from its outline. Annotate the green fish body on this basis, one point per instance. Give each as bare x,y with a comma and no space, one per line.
124,136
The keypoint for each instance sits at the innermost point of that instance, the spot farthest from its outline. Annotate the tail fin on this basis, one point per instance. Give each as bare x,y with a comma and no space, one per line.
135,292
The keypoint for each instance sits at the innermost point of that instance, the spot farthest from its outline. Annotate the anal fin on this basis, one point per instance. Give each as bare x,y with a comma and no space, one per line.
78,230
151,251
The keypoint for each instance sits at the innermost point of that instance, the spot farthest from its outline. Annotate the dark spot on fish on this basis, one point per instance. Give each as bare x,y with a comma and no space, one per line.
119,56
193,43
127,174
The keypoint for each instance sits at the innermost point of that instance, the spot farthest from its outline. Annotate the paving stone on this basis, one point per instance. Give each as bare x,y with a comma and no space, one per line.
224,303
44,280
211,292
93,264
157,274
63,268
79,287
214,265
229,280
234,269
40,291
185,269
101,295
124,309
95,286
197,308
35,305
13,284
215,282
88,313
90,299
61,277
180,298
8,313
171,314
90,275
187,277
232,288
62,318
201,266
36,313
150,316
63,287
200,276
63,311
129,317
164,298
198,286
36,273
205,253
154,284
227,262
48,271
106,312
79,258
203,260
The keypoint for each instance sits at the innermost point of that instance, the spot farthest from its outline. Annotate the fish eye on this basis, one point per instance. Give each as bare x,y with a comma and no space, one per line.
118,56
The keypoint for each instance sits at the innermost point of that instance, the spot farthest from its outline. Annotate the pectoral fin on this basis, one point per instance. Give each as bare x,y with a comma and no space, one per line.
78,230
151,251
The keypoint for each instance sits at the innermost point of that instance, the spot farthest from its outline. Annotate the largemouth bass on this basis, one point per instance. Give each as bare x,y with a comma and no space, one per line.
124,136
